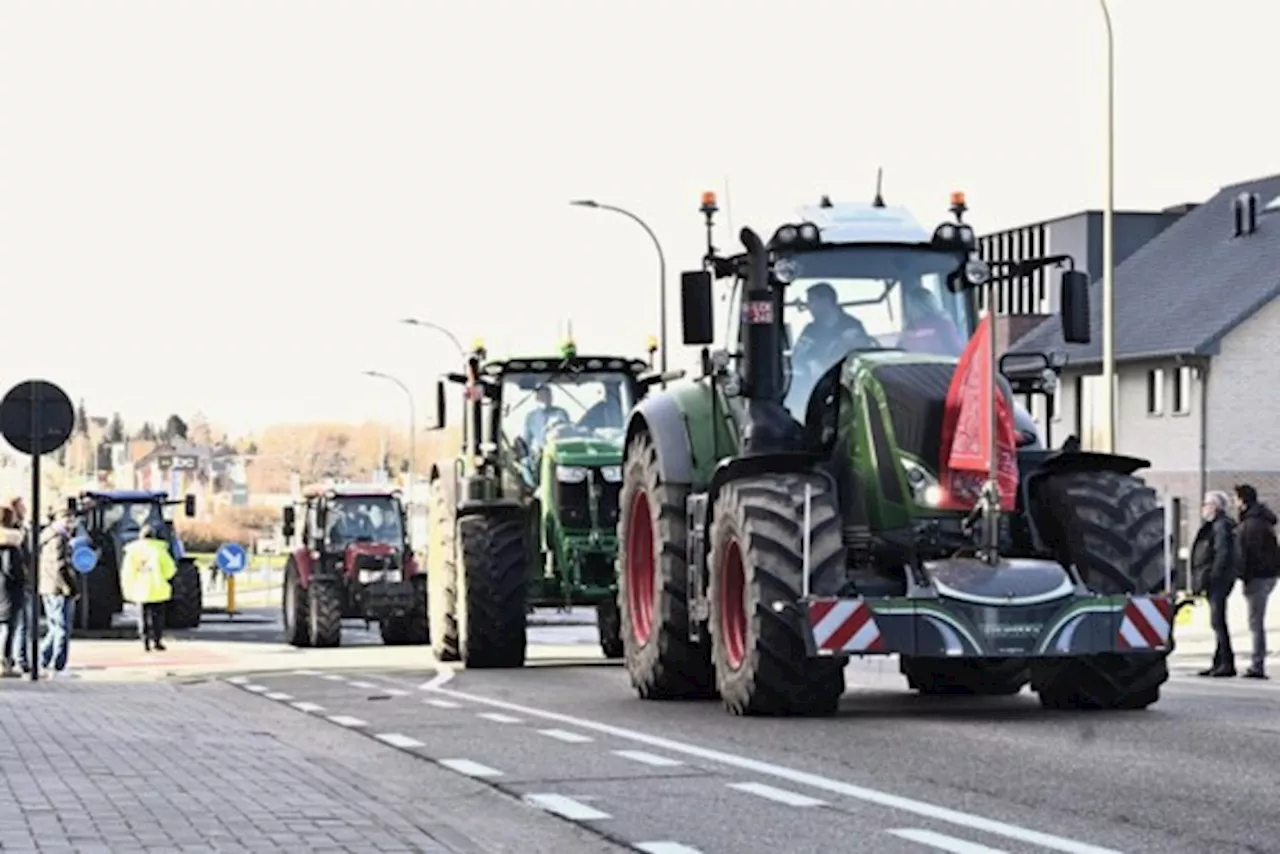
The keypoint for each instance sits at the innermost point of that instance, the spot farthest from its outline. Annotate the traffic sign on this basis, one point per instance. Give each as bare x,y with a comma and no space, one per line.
36,417
231,558
84,559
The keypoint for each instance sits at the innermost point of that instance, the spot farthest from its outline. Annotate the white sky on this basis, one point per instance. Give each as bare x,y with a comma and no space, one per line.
227,206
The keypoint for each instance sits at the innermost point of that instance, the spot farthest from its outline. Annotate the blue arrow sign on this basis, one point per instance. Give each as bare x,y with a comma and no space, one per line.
231,558
84,559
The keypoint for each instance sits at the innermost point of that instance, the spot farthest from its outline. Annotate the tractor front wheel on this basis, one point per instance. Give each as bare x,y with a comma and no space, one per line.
1105,682
609,628
294,604
324,613
758,623
653,590
492,626
186,602
410,628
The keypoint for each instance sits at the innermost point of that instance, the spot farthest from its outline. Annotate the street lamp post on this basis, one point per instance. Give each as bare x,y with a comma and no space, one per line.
662,268
413,321
413,427
1108,251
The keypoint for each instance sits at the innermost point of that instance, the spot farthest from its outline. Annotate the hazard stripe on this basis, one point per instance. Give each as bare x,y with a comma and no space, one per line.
850,627
820,609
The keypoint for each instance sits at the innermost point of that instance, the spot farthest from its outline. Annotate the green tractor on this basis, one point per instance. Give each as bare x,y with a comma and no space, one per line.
869,487
527,516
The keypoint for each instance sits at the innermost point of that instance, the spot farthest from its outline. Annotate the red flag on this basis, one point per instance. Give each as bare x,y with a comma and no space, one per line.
966,438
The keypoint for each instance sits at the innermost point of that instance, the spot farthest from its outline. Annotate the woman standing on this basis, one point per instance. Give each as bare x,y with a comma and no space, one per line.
13,585
145,575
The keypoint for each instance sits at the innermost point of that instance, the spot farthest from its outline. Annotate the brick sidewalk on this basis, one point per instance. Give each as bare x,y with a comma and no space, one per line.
118,769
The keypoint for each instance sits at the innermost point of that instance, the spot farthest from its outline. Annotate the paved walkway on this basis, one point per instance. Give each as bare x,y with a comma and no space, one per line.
124,768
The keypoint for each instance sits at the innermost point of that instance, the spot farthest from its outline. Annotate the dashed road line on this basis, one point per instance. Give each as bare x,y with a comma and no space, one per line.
238,680
566,807
307,707
666,848
354,684
278,695
347,720
443,704
395,739
566,736
333,677
942,842
394,692
257,689
646,758
471,769
499,718
773,793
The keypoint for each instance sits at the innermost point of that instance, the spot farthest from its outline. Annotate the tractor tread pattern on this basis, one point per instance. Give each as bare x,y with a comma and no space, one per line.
296,625
409,629
989,677
186,603
442,574
669,666
765,515
324,612
494,558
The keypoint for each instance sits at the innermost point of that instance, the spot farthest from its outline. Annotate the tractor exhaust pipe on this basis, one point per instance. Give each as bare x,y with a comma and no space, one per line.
761,324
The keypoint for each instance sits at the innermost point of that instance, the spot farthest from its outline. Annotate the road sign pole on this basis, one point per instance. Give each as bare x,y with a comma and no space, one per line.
33,625
231,595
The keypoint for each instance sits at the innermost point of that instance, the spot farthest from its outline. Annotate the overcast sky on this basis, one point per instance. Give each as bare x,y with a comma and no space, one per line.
227,206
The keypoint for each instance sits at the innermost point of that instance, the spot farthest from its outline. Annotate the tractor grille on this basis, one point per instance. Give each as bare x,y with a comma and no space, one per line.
917,395
572,502
607,502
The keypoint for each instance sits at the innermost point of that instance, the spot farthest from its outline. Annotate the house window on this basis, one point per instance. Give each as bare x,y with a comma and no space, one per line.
1155,392
1182,391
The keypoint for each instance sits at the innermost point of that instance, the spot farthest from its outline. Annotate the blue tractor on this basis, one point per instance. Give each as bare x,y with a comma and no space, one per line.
110,520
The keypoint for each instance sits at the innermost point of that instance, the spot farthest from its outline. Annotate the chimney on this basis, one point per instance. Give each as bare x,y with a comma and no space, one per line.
1237,211
1245,212
1251,213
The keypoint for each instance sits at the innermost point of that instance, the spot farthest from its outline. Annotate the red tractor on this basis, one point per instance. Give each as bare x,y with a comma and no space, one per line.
353,561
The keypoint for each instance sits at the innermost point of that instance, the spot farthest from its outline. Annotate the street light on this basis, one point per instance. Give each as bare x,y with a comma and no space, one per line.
1108,250
413,321
413,468
662,267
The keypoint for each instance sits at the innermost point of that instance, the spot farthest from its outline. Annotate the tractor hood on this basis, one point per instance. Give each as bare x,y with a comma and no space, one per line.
578,446
369,556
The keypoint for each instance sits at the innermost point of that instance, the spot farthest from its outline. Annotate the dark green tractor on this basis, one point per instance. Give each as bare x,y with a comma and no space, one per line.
852,477
527,515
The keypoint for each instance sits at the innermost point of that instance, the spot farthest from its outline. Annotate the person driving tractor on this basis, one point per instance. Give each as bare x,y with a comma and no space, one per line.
537,422
927,328
831,328
606,412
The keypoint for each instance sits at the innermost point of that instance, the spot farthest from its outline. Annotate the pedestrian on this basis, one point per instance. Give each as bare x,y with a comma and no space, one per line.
145,576
60,588
1213,568
1259,565
13,590
22,606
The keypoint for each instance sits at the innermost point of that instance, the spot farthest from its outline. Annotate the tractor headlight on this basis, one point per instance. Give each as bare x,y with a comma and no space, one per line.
925,490
977,272
788,234
571,474
784,270
612,474
809,232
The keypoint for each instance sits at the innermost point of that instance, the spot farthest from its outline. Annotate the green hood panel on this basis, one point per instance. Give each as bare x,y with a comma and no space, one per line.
599,448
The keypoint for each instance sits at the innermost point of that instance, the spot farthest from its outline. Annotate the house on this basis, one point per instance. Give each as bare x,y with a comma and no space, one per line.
1196,321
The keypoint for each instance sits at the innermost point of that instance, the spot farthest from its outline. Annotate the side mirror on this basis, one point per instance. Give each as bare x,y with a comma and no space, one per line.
1075,307
698,313
189,505
290,521
440,407
72,507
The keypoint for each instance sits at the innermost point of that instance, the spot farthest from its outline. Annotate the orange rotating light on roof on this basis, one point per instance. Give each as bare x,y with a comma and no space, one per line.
957,198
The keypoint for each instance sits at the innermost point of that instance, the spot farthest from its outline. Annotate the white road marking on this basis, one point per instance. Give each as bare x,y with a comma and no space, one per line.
499,719
666,848
443,675
471,769
347,720
566,807
237,680
307,707
396,692
306,673
354,684
943,842
803,778
444,704
257,689
278,695
565,735
395,739
648,758
333,677
782,796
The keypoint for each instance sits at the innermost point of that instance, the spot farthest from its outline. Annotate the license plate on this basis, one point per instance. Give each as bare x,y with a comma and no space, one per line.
373,576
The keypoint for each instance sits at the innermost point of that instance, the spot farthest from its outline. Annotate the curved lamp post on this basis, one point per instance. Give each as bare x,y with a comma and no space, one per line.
413,467
1108,250
662,267
426,324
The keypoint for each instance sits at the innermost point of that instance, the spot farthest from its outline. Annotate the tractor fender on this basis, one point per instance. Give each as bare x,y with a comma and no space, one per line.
662,419
1062,462
302,560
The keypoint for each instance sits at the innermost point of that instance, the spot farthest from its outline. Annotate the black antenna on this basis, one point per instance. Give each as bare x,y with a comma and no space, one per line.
879,201
826,202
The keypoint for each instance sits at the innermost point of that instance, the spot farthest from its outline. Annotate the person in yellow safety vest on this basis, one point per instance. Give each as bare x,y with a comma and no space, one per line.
145,574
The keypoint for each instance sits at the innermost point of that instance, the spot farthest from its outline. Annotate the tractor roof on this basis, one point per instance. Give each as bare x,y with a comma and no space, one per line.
573,364
854,222
125,495
351,490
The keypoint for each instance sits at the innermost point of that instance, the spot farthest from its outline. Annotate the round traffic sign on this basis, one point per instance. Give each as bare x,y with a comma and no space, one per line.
84,559
230,558
36,417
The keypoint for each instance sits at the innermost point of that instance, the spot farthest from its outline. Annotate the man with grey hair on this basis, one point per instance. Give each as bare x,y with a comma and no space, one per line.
1213,570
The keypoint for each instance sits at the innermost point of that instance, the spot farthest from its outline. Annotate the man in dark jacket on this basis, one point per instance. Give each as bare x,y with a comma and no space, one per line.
1213,567
1259,565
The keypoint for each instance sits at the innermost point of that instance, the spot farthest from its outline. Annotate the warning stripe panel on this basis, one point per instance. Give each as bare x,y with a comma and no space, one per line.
844,625
1146,623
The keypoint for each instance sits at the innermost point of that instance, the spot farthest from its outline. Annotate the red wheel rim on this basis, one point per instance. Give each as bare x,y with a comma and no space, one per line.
733,609
640,567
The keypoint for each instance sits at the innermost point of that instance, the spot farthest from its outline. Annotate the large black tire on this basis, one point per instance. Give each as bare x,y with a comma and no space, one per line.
294,605
495,579
1111,527
653,591
97,608
609,628
324,613
989,677
186,603
442,573
410,629
758,627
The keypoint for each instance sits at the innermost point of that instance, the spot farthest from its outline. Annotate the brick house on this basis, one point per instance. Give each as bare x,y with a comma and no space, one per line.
1196,321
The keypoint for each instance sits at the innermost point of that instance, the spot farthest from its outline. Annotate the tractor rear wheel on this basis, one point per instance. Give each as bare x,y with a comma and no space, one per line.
758,626
495,577
653,589
297,626
609,628
990,677
410,628
324,613
442,572
1111,527
95,611
187,600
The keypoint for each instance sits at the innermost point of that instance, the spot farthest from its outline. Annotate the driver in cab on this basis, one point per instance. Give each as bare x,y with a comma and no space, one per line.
536,424
927,329
832,333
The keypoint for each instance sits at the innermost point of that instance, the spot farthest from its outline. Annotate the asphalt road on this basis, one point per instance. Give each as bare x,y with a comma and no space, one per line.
893,772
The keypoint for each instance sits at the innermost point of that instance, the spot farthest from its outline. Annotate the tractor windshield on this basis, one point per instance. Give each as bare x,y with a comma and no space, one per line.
364,519
127,519
869,297
535,405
